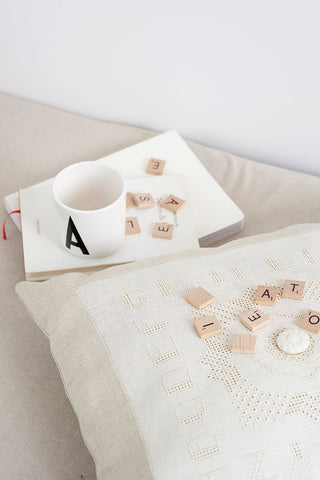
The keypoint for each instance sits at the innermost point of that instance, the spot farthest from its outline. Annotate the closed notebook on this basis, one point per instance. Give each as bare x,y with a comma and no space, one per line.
44,255
215,215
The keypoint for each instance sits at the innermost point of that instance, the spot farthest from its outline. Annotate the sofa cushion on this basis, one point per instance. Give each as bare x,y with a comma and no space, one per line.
154,401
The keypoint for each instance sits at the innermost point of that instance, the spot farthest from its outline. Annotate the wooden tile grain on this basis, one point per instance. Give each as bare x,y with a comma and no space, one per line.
199,298
244,343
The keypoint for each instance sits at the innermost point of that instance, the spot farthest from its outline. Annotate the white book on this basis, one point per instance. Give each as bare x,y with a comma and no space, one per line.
216,216
45,256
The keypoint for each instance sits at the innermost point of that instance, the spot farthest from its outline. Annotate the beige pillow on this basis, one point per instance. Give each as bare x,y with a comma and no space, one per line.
154,401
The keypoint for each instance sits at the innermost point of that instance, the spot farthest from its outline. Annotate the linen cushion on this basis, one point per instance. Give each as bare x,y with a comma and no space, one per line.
156,402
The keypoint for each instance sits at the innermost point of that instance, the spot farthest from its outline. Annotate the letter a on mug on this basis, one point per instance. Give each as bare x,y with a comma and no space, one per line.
72,230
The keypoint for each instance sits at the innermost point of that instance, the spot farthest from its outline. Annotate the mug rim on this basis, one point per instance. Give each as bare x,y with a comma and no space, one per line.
87,212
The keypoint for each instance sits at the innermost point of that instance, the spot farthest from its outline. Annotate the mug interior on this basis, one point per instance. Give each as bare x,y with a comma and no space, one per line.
88,186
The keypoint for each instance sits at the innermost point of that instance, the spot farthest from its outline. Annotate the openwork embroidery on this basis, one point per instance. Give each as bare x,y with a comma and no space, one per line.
168,289
135,299
307,255
272,264
159,355
241,272
251,402
204,446
253,463
191,412
245,301
145,328
312,291
177,380
216,277
299,458
305,404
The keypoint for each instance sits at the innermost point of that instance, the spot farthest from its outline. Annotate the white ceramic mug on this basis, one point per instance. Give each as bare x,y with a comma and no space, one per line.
90,201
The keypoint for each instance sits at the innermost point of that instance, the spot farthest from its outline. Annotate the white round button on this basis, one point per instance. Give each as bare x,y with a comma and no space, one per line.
293,340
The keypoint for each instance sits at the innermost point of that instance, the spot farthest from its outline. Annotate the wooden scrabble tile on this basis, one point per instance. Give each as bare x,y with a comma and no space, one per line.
266,295
207,326
244,343
199,298
129,201
311,321
254,319
132,226
173,203
155,166
163,230
143,200
293,289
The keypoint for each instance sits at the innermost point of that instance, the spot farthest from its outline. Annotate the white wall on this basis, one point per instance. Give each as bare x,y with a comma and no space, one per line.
240,75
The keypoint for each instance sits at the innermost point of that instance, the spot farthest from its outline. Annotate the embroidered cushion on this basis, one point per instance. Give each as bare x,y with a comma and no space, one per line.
155,401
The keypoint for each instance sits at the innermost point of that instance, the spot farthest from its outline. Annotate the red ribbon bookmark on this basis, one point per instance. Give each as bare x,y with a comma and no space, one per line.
4,223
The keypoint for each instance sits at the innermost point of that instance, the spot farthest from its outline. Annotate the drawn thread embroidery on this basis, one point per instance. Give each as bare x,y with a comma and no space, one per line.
272,264
216,277
251,465
177,380
204,446
305,404
167,289
312,291
159,355
300,458
257,470
242,272
146,328
191,412
253,404
307,255
135,299
244,301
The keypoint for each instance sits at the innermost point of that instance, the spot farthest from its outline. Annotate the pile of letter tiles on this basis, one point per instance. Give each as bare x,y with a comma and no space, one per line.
253,319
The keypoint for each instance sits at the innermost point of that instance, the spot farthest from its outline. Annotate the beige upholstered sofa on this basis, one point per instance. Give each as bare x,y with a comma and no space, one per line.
39,432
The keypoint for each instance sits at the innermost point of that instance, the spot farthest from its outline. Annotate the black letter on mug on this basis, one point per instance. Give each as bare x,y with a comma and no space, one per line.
79,243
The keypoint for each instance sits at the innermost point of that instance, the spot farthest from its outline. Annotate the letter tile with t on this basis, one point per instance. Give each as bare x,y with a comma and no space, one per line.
266,295
293,289
254,319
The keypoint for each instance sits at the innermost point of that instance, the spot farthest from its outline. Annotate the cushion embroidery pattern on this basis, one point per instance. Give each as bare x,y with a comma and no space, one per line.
209,412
